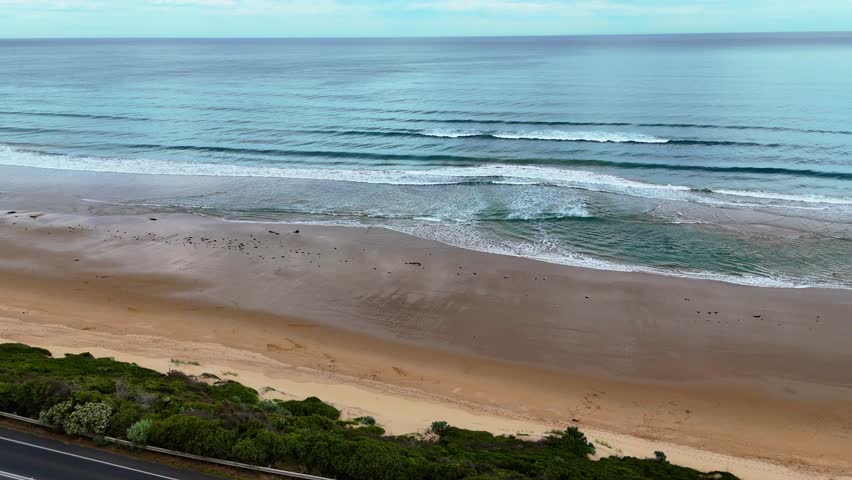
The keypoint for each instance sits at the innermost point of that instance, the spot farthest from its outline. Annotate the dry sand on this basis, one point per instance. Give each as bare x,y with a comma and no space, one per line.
411,331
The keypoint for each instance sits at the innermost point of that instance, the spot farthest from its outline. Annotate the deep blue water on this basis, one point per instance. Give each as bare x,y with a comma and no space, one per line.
725,156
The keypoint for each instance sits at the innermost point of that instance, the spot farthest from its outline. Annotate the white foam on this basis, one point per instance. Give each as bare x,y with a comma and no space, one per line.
553,135
581,136
787,197
501,174
451,133
467,237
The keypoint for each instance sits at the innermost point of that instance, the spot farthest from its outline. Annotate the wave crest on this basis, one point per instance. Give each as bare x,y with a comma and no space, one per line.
449,175
552,135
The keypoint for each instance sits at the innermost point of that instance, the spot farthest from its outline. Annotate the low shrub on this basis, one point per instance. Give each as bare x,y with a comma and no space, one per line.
439,428
262,449
57,414
124,415
371,430
88,419
193,435
234,392
366,420
140,431
311,406
79,419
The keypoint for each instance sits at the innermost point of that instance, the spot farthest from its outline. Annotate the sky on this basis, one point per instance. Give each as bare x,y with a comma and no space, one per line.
392,18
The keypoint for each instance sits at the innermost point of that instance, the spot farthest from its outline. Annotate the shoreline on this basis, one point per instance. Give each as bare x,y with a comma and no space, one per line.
589,263
765,223
465,328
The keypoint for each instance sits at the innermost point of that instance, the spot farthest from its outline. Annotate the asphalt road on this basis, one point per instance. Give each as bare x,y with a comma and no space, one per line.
27,456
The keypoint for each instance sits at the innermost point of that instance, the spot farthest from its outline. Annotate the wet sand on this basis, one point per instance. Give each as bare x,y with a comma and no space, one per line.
740,371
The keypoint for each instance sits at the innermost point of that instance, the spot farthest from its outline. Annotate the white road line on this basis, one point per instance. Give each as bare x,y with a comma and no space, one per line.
14,476
89,459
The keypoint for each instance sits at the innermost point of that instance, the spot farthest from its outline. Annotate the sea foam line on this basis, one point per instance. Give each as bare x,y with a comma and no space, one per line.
469,240
491,173
555,135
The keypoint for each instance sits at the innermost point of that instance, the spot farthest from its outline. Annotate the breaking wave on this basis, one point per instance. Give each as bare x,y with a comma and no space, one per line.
445,175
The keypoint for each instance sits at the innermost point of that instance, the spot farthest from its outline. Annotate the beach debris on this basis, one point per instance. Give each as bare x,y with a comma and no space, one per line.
274,232
757,316
10,212
418,264
152,219
295,231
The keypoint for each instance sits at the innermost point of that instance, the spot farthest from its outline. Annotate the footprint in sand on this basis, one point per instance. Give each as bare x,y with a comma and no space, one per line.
271,347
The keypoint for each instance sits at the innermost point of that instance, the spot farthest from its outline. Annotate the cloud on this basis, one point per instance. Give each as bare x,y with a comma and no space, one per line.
27,18
265,7
558,8
196,3
41,5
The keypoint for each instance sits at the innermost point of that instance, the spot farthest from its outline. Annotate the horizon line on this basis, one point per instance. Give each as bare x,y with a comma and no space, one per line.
390,37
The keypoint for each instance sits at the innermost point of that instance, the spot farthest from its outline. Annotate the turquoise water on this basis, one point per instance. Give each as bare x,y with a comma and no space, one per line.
720,156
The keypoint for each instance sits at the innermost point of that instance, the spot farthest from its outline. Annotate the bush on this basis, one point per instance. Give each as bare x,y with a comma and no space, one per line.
371,430
263,449
124,415
660,457
139,431
314,423
193,435
21,349
311,406
274,406
88,419
56,414
439,428
367,420
572,440
31,397
234,392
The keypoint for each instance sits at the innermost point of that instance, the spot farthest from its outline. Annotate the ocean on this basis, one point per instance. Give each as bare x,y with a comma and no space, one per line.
723,156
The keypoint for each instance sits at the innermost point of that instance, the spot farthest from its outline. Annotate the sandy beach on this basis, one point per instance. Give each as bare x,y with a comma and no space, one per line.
757,381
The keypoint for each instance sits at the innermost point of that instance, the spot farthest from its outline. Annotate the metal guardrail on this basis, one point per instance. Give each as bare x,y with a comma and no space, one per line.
118,441
274,471
27,420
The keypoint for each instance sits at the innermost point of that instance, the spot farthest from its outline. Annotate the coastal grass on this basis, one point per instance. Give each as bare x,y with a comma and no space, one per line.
177,361
100,396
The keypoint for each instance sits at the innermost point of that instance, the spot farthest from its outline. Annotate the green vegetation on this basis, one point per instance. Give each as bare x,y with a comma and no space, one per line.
177,361
85,395
368,420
